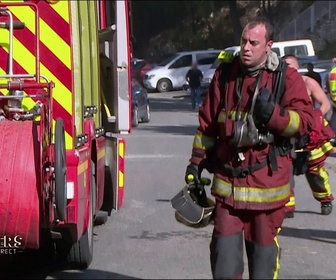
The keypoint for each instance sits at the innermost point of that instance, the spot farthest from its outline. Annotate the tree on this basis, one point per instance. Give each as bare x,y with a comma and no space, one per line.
235,20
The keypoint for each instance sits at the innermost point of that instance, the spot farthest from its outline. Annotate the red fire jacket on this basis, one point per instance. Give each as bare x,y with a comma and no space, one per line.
265,188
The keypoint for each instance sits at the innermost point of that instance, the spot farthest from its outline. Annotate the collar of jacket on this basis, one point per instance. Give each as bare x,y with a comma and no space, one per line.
271,63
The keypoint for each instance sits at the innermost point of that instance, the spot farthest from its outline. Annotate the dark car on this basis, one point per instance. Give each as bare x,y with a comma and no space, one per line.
140,104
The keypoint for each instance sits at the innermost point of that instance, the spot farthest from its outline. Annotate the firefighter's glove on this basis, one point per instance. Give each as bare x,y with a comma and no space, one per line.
193,174
263,109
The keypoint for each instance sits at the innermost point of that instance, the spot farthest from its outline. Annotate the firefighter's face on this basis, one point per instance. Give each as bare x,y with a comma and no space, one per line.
253,45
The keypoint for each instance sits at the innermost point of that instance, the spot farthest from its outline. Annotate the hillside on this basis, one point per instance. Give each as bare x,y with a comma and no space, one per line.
191,25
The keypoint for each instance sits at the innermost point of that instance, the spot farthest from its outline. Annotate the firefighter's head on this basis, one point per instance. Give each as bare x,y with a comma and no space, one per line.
256,42
291,60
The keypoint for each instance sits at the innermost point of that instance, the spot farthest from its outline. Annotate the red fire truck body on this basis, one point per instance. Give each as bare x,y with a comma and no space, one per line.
64,104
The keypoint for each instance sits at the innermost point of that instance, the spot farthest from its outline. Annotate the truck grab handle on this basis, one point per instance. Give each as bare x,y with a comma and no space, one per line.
16,25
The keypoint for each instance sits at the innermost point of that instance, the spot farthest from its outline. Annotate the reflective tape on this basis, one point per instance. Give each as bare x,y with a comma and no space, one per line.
321,151
82,167
250,194
291,201
332,83
203,142
293,125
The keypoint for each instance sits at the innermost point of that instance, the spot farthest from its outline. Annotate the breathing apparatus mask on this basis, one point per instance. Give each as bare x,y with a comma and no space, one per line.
245,132
192,206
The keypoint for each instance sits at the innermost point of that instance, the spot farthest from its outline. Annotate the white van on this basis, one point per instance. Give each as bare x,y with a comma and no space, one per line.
303,49
295,47
170,73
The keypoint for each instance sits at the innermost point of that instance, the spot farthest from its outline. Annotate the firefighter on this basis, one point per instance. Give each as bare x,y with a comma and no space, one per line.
319,147
252,163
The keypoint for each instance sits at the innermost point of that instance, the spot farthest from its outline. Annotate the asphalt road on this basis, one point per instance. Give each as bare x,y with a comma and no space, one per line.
143,240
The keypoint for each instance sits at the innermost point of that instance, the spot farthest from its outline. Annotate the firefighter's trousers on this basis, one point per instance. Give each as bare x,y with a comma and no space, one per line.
318,180
290,205
259,229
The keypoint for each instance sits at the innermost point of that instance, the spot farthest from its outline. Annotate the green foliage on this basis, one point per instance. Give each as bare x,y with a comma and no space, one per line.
166,26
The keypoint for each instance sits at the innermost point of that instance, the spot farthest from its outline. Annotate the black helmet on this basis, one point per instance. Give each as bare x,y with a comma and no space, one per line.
193,207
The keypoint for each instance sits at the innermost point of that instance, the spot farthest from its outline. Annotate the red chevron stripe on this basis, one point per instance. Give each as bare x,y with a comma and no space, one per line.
55,21
59,111
48,58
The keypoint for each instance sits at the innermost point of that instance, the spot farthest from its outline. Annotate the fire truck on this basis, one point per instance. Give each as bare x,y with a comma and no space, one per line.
65,103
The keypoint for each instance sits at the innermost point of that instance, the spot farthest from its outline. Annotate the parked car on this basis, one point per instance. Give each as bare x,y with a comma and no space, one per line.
140,104
170,73
140,68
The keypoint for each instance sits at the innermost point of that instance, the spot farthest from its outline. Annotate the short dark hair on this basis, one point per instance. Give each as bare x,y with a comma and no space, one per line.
292,56
266,22
289,56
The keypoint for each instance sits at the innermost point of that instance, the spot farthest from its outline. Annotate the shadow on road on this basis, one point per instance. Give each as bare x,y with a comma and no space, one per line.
177,104
172,129
36,265
308,212
92,274
326,236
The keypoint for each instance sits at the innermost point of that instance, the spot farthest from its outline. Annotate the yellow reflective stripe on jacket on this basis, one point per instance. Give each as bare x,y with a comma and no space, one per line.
250,194
332,83
293,125
325,123
203,142
319,152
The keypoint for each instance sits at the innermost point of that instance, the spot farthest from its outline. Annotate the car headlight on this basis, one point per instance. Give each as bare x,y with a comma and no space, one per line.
148,77
206,80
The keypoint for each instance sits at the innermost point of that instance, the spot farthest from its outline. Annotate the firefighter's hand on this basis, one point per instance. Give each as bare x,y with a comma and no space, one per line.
193,174
263,109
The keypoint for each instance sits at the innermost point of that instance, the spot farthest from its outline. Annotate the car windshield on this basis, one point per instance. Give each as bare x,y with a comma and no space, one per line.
168,60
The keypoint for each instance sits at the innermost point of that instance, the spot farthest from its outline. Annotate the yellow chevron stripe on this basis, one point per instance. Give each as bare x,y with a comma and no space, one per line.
61,93
62,9
55,44
47,36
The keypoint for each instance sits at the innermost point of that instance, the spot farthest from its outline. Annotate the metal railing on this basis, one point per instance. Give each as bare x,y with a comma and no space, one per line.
307,20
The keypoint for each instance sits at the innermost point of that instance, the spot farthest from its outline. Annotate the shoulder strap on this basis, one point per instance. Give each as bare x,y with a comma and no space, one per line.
224,75
279,81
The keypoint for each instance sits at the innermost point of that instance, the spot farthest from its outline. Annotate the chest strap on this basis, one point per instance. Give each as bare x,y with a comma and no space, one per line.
241,172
